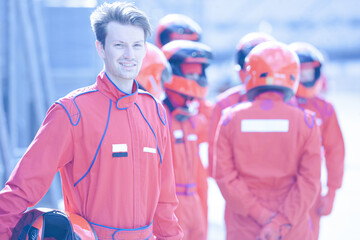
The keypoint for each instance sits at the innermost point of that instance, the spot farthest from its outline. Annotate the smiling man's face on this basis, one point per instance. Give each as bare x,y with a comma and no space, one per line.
124,51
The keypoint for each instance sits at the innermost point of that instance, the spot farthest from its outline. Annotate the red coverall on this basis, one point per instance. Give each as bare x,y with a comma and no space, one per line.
203,119
226,99
267,157
185,148
334,150
114,156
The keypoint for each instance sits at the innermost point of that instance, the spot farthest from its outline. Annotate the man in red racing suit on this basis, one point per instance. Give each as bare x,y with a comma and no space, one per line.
307,96
268,153
114,156
110,142
235,94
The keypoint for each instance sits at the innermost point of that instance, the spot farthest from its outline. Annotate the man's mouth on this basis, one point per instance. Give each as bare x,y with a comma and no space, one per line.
128,64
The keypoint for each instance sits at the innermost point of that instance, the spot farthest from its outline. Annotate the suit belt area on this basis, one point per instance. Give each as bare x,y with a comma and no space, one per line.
105,232
186,189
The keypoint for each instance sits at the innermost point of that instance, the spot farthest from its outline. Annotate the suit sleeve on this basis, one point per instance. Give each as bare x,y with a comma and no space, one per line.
166,225
202,187
213,122
333,143
202,125
232,186
31,178
303,193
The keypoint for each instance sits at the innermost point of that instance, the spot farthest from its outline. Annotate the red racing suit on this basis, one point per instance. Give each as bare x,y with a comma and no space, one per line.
203,119
205,109
334,150
226,99
267,158
114,156
185,148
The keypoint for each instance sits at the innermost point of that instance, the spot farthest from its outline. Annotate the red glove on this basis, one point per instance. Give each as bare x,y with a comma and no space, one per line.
261,215
278,227
326,203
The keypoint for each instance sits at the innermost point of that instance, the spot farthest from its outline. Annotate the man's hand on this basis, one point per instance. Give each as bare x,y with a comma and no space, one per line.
270,232
261,215
275,229
326,203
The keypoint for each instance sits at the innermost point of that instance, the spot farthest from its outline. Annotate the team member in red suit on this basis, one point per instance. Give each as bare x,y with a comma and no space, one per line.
155,70
268,152
235,94
188,60
181,27
110,141
307,95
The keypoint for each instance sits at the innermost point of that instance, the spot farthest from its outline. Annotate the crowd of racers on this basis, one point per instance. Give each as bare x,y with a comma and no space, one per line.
267,136
269,177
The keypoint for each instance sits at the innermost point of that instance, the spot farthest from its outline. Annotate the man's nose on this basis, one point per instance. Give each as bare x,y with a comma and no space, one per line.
129,52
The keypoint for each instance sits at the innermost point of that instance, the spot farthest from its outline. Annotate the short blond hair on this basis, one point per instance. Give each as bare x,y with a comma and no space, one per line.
121,12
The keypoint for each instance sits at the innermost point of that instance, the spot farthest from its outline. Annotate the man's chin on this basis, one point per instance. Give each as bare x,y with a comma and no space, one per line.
126,77
130,76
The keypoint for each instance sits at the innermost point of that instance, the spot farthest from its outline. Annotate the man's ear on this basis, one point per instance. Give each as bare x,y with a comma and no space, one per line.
100,49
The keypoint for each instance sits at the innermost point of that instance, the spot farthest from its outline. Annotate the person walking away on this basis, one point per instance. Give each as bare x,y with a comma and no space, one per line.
267,152
308,97
235,94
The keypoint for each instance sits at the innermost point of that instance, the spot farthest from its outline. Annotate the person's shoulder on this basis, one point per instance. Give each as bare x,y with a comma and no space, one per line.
322,101
241,106
230,93
145,94
323,107
69,99
70,106
308,116
149,102
78,92
298,108
296,111
227,114
148,99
